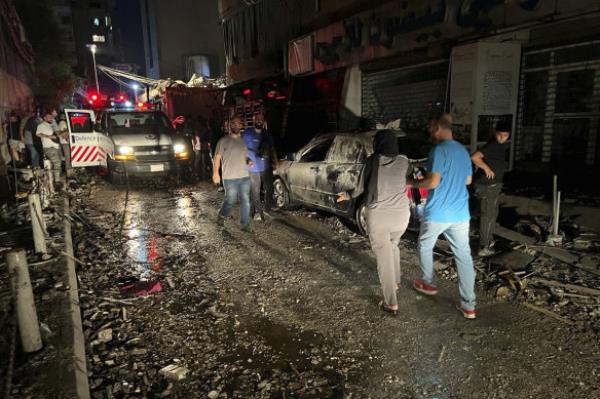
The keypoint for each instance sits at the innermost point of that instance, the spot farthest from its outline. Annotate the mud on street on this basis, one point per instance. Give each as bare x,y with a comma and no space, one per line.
290,310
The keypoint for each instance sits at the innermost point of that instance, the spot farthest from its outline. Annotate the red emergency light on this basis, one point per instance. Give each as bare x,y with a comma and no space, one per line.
94,97
247,92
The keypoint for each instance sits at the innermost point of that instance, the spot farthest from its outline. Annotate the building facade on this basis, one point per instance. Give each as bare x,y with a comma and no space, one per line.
83,24
533,63
182,38
16,62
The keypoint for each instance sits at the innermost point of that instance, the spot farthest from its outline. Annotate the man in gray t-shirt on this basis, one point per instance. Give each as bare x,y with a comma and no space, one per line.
231,155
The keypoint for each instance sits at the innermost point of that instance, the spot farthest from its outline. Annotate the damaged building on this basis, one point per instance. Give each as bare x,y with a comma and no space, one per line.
346,65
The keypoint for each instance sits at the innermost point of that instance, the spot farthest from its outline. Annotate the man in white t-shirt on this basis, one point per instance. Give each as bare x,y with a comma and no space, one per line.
50,143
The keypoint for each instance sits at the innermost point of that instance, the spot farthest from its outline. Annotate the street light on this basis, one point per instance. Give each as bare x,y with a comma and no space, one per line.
135,88
93,49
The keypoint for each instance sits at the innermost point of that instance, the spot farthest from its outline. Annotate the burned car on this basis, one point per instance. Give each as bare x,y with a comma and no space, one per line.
332,163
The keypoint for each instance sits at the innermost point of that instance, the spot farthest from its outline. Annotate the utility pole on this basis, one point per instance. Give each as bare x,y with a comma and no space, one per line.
93,49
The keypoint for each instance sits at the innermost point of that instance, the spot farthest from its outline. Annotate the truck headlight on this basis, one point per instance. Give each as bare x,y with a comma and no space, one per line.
125,150
180,151
124,153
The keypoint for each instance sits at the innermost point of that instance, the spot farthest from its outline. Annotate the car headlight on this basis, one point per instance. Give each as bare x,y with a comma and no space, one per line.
125,150
178,148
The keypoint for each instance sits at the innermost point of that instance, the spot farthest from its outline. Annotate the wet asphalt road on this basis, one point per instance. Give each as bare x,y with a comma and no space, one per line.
290,310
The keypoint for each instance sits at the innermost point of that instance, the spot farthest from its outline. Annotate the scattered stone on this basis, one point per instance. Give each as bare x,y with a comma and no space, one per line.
105,335
174,372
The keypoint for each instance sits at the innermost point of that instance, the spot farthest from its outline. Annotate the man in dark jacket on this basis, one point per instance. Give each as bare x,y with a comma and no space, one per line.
491,163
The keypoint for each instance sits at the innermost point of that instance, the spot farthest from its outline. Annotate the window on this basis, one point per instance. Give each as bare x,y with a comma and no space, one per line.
199,65
574,91
347,149
569,138
534,98
81,122
138,123
318,152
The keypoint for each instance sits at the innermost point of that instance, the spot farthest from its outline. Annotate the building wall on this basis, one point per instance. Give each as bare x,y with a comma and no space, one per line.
16,63
84,13
185,28
64,18
256,36
148,22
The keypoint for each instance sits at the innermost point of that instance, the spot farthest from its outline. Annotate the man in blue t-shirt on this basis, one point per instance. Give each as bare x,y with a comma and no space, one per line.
261,151
447,212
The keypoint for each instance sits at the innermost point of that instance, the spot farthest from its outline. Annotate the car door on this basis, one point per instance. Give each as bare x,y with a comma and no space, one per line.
306,175
345,163
88,147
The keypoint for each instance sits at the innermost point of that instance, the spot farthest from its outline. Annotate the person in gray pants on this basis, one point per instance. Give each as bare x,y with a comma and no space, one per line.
387,211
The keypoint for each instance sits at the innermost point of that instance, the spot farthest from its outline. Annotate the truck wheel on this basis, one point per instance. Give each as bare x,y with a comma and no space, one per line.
115,178
281,195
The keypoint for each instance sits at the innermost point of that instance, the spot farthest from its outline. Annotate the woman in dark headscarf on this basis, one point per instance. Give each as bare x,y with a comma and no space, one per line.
387,210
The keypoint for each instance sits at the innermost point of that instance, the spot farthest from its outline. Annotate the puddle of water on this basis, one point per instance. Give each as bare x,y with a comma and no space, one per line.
184,207
142,246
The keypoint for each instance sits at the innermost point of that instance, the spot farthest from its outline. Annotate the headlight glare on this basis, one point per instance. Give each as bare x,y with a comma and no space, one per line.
125,150
178,148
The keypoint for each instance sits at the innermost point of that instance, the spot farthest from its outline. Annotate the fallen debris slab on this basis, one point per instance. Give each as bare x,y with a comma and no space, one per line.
577,288
548,313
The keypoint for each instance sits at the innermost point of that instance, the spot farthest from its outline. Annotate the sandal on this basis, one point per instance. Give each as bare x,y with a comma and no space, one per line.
386,309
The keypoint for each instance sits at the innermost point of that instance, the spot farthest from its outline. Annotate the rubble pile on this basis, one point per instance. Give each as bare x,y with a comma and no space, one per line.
560,282
50,288
162,327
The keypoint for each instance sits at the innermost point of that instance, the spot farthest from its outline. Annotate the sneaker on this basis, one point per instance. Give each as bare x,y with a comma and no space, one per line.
424,288
468,314
220,221
258,217
246,228
485,252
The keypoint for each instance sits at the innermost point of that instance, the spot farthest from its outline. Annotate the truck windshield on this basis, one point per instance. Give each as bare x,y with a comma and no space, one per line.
138,122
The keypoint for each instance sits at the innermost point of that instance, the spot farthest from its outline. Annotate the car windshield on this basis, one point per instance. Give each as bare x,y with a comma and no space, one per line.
137,122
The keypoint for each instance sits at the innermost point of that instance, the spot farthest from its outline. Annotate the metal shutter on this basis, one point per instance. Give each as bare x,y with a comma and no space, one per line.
410,93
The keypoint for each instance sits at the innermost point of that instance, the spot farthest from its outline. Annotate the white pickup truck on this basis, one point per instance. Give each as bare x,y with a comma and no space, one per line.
128,143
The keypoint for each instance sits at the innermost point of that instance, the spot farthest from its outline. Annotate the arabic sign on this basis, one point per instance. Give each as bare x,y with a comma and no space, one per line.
397,27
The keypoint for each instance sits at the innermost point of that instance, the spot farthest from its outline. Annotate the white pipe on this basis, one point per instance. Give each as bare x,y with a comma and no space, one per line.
29,326
554,191
37,224
557,211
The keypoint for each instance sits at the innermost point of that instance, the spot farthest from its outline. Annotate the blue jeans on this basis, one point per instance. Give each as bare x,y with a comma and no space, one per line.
457,234
237,189
34,156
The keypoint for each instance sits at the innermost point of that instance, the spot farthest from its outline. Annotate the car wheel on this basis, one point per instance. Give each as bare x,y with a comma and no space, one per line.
281,195
360,218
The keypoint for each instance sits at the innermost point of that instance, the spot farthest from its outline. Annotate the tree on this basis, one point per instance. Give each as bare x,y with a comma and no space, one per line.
53,77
